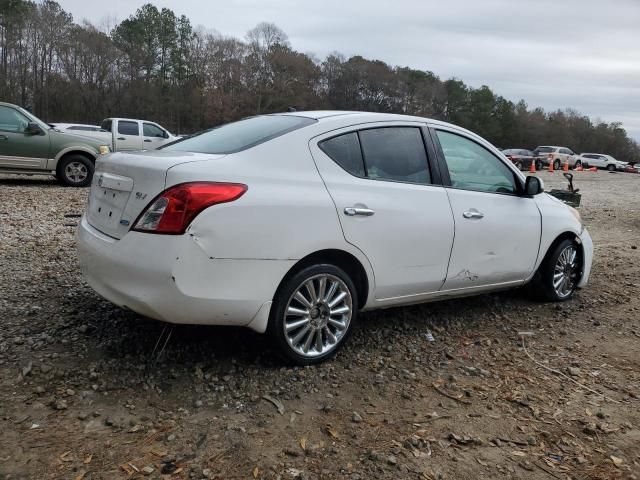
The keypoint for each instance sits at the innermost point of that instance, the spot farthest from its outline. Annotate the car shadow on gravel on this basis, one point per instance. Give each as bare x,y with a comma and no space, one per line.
27,181
113,334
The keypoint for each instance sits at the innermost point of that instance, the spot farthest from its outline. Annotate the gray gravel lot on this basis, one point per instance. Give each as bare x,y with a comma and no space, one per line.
82,396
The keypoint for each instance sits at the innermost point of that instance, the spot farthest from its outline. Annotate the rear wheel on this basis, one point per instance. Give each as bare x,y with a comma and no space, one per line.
538,165
611,167
313,314
519,165
578,164
75,170
558,276
556,164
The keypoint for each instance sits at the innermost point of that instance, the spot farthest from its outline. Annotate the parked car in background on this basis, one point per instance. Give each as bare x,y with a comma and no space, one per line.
93,131
601,160
557,155
292,223
522,158
129,134
30,146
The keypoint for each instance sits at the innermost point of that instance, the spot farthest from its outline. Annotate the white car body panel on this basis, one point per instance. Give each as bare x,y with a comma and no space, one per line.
225,269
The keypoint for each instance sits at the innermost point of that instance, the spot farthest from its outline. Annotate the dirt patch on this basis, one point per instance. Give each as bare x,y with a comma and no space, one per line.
84,396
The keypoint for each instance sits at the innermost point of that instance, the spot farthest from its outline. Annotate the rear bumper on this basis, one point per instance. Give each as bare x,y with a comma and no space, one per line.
171,278
587,250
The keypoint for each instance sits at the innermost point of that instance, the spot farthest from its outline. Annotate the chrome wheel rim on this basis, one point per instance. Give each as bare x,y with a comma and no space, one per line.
317,315
565,272
76,172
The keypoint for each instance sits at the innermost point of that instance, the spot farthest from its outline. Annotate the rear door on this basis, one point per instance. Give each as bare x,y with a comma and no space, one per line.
390,204
20,150
497,230
128,136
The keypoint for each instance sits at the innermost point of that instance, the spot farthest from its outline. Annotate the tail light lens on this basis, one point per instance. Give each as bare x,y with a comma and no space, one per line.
172,211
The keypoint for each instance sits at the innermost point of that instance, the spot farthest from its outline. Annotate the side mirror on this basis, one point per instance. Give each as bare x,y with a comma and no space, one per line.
33,129
533,186
165,134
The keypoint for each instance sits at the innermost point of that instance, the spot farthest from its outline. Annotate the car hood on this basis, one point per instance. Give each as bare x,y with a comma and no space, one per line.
60,137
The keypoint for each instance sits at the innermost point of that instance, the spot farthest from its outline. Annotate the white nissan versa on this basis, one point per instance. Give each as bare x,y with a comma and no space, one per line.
292,223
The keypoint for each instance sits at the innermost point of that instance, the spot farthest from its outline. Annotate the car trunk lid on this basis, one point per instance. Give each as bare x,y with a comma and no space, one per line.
125,183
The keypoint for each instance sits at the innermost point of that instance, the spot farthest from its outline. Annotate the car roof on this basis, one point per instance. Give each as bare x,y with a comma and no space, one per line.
74,125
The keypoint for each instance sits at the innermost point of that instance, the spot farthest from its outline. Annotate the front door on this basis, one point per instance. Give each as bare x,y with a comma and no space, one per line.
153,135
20,150
388,205
497,230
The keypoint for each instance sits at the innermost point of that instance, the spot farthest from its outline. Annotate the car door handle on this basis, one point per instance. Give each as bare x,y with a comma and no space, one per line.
473,213
121,138
4,137
352,211
147,140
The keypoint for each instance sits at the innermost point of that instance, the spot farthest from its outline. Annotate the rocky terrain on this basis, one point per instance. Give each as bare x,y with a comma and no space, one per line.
89,391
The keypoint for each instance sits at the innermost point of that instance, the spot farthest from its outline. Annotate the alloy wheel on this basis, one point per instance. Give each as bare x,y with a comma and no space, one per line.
565,272
317,315
76,172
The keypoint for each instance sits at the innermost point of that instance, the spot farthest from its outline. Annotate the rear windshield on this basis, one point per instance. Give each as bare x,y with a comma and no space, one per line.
241,135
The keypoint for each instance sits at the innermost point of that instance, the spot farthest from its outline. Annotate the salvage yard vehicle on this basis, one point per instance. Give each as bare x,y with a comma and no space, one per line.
30,146
93,131
128,134
601,160
558,156
293,223
522,158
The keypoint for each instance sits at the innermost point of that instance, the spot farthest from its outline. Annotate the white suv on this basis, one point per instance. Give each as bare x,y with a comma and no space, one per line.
558,155
293,223
602,161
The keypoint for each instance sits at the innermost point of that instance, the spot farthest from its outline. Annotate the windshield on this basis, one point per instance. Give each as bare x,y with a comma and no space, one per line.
33,118
241,135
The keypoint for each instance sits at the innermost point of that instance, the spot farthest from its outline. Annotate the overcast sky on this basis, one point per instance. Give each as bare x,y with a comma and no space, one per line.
582,54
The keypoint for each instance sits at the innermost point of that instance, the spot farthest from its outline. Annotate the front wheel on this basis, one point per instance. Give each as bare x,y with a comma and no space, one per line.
558,276
611,167
75,171
313,314
519,165
556,164
578,164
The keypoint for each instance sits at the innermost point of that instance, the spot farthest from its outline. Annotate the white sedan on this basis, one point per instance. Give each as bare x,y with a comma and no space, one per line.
293,223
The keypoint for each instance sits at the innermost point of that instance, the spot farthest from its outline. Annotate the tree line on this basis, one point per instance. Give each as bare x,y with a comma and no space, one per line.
155,65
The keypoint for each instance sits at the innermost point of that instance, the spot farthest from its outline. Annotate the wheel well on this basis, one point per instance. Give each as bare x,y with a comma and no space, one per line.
561,238
339,258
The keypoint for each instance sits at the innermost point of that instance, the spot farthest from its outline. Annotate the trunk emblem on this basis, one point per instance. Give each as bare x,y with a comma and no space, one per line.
140,196
124,222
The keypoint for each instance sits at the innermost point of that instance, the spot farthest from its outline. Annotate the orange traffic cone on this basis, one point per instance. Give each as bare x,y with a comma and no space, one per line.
532,168
593,169
579,168
551,166
566,166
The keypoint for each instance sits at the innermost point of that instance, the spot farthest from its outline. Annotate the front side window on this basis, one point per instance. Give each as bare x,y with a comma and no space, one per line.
128,128
473,167
345,151
149,130
12,121
395,153
106,125
241,135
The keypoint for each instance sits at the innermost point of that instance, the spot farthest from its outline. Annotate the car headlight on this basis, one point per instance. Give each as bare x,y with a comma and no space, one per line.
104,149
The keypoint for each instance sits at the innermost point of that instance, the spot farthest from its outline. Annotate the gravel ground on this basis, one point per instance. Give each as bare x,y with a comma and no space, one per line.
84,396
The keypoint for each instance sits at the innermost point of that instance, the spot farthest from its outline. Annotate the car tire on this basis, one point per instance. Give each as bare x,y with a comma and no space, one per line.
313,314
611,167
559,273
519,165
577,164
538,165
75,170
557,164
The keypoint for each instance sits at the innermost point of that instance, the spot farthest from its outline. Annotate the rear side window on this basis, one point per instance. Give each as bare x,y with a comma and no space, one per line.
128,128
241,135
395,153
345,151
544,150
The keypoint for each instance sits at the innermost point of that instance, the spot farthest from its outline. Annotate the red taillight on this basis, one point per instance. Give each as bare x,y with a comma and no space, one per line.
172,211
